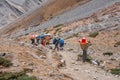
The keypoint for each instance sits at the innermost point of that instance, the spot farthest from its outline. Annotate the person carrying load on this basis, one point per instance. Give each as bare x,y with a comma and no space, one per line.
37,39
61,43
56,42
32,38
47,38
42,38
84,45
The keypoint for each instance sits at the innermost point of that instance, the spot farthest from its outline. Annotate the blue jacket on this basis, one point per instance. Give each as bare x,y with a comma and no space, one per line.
61,40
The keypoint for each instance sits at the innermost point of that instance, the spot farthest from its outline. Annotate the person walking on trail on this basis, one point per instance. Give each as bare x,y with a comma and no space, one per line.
47,38
42,39
32,38
84,45
56,42
61,43
37,39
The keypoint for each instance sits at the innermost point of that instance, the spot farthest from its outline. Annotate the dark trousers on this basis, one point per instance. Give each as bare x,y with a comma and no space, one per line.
32,41
37,41
84,56
57,45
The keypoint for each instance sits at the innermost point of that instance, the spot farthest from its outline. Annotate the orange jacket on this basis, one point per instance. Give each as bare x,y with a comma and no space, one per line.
83,43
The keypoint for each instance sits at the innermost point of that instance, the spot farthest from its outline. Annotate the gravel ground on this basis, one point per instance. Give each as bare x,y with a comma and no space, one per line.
84,71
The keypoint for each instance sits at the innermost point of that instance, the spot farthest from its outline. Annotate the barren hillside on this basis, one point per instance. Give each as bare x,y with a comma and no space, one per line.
101,29
10,10
41,14
106,23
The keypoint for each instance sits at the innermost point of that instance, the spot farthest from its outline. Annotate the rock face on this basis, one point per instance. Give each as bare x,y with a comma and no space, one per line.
12,9
71,15
110,23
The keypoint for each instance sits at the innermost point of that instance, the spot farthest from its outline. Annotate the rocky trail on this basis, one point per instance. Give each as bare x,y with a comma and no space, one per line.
82,71
75,70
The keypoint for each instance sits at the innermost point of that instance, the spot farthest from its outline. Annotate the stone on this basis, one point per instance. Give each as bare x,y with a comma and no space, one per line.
102,64
2,54
73,63
69,49
30,64
23,63
115,45
76,69
42,57
21,43
28,70
15,65
27,45
95,78
75,51
95,62
50,47
61,63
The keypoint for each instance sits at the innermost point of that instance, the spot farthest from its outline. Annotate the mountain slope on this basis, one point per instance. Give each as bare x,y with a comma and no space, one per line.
39,15
13,9
74,14
47,64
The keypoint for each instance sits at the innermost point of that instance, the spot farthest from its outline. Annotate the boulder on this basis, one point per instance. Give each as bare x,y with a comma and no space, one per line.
2,54
21,43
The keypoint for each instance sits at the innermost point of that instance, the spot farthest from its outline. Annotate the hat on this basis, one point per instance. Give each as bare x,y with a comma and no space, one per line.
41,36
47,34
32,36
83,41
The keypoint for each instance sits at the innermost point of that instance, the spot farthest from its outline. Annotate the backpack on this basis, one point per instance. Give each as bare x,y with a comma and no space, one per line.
56,39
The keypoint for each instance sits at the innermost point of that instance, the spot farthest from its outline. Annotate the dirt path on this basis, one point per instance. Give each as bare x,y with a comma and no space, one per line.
83,71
